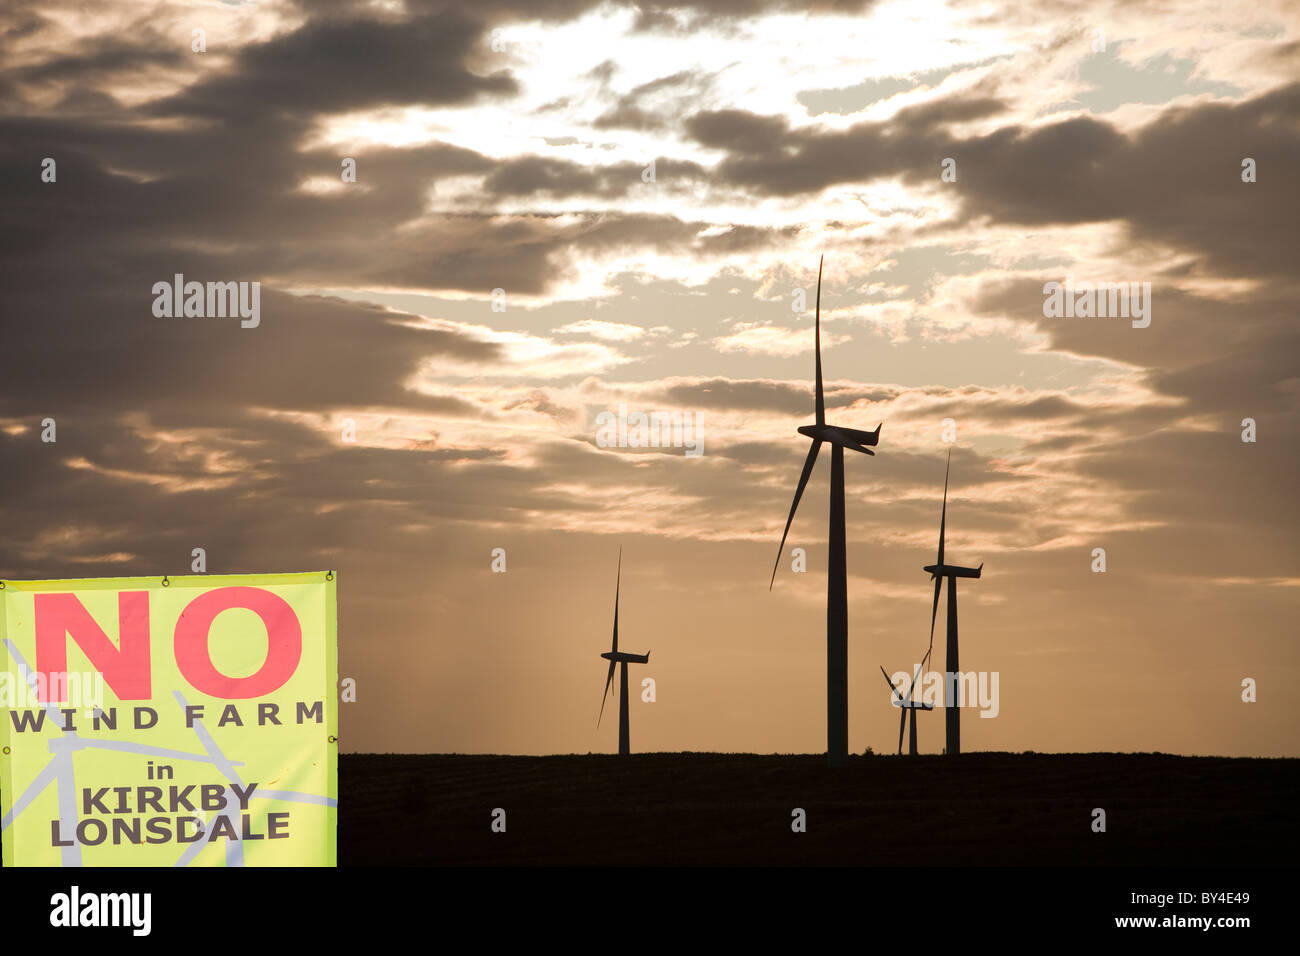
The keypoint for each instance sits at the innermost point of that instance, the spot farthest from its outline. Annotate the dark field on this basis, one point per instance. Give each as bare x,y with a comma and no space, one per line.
735,809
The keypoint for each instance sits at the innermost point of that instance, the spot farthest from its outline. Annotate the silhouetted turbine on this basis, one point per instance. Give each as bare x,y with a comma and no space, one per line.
939,571
837,600
906,704
614,658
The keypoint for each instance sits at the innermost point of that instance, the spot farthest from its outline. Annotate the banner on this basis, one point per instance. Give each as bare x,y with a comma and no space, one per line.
185,721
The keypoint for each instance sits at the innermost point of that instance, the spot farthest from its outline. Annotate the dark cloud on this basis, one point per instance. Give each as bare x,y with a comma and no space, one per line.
741,238
1176,180
528,175
603,72
335,65
629,116
766,154
651,20
1214,356
761,395
94,61
738,131
308,353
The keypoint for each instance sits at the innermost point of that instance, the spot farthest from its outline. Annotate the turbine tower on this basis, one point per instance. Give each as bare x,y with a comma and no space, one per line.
615,657
952,668
837,597
906,704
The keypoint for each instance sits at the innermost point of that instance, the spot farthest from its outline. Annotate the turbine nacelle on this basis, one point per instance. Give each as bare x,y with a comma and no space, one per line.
896,696
905,704
851,438
952,571
622,657
910,704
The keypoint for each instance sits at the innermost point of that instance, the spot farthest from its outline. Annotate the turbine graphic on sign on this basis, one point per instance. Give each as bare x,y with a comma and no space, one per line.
60,772
235,848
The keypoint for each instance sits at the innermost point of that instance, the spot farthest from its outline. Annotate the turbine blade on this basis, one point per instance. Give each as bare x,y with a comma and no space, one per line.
798,493
894,695
821,401
605,696
934,611
618,579
943,515
938,578
916,676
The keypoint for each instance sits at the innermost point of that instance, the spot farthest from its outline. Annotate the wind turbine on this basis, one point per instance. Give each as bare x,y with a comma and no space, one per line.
938,571
837,595
614,656
906,704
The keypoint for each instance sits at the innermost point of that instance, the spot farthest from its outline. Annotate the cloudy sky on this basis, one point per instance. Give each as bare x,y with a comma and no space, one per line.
650,187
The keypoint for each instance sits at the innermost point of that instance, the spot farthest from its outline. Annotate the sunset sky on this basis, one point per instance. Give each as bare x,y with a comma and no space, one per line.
509,145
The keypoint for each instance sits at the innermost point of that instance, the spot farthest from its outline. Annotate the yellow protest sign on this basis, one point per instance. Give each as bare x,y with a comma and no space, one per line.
160,721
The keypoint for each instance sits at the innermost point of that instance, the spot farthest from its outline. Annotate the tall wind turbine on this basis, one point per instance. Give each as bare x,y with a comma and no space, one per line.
614,657
906,704
837,595
938,571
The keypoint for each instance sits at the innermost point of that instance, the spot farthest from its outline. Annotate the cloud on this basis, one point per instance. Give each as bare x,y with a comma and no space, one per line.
332,65
772,340
608,331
